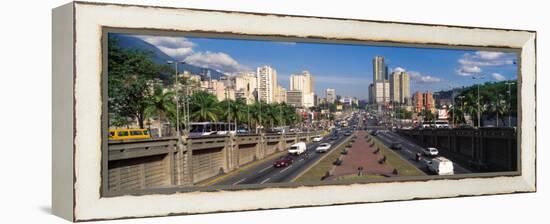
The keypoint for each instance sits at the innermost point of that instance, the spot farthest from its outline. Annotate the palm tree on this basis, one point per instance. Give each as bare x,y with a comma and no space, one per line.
204,107
161,104
497,107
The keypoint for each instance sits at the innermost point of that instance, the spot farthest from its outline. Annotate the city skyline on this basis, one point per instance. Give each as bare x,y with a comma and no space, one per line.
348,68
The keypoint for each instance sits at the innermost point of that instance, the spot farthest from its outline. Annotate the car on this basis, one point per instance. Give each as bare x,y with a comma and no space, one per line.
430,151
317,138
373,132
334,137
323,147
347,133
441,166
297,148
283,161
395,146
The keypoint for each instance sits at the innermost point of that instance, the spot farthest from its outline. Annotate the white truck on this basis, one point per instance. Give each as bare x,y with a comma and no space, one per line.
297,148
441,166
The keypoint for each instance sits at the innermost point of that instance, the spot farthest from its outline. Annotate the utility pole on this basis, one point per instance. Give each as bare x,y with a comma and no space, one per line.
176,90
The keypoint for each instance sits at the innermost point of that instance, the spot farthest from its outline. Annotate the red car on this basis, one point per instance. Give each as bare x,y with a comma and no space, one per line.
284,161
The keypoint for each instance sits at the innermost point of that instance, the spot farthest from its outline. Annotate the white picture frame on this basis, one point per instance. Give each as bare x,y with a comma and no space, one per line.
77,110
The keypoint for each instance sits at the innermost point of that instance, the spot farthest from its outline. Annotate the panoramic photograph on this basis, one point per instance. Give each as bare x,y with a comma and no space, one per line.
198,111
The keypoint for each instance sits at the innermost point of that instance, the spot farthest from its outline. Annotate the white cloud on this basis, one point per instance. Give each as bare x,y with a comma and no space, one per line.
216,60
498,77
398,69
176,47
468,70
423,79
471,63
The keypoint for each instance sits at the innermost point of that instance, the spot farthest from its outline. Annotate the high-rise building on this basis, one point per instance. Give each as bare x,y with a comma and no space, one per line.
371,93
399,86
302,81
330,95
294,98
381,91
245,87
266,83
380,69
381,86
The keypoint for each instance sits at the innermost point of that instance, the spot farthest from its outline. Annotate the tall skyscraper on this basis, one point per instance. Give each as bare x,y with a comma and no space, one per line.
381,86
266,83
399,86
380,69
330,95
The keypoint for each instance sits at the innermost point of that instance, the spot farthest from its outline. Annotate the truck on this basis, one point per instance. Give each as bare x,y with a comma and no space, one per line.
441,166
297,148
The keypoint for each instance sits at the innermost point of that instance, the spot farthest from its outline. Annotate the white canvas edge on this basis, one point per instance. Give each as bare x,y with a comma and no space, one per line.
90,18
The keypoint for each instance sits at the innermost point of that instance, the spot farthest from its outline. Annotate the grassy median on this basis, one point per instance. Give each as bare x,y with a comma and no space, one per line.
404,167
318,170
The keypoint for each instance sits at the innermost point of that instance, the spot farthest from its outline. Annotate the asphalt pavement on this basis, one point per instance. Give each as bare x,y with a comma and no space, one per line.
265,172
409,150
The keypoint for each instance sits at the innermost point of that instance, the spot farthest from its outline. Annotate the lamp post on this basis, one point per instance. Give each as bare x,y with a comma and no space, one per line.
461,105
509,103
176,90
478,104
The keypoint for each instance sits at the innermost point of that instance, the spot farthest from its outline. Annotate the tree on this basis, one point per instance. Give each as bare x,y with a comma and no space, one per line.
204,107
162,105
130,75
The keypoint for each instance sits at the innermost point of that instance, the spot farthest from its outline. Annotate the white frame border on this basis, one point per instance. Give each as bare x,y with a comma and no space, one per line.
90,18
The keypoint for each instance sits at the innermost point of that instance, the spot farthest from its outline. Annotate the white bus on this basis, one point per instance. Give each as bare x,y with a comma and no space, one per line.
211,128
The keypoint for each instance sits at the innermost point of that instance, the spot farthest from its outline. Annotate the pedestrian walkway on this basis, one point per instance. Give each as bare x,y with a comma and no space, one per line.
361,155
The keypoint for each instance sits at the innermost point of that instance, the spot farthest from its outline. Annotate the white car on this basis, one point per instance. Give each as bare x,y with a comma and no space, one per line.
317,138
430,151
324,147
297,148
441,166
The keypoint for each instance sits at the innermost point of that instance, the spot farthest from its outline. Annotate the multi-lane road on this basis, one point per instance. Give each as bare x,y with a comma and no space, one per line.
265,172
409,149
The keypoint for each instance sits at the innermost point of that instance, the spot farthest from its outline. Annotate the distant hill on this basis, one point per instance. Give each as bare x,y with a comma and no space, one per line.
130,42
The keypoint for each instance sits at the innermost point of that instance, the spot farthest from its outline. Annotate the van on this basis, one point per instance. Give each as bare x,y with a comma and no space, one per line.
297,148
441,166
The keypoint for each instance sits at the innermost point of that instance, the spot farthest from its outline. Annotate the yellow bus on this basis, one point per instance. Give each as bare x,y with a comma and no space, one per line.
129,133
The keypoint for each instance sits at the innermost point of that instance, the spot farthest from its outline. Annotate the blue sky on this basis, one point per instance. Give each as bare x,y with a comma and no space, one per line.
347,68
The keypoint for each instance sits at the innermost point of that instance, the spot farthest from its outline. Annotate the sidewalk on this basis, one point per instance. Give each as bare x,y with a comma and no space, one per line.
361,155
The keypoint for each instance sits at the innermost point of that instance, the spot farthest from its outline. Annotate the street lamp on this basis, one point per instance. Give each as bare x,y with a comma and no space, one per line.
509,103
176,90
461,105
478,104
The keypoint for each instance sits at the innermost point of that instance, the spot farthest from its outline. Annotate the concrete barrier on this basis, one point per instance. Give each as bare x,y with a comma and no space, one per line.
161,163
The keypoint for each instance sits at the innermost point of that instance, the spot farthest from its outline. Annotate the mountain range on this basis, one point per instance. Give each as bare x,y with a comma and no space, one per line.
130,42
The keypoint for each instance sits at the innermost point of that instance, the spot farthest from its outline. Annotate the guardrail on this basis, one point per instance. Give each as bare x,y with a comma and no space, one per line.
159,163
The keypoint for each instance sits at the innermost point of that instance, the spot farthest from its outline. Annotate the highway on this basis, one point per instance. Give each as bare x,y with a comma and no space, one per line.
409,150
265,172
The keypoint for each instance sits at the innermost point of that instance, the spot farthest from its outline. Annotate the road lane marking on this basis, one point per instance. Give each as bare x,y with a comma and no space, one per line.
266,180
283,170
409,151
264,169
239,181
